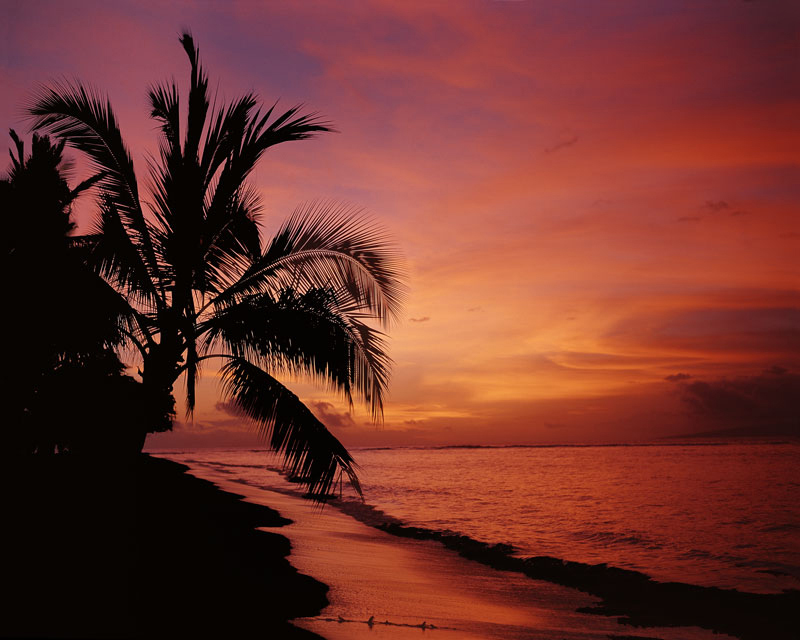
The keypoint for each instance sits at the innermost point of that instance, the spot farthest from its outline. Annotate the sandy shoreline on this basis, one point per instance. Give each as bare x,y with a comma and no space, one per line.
372,574
148,550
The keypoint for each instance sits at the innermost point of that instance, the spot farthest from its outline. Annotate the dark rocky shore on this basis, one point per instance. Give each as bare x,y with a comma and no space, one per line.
140,549
635,598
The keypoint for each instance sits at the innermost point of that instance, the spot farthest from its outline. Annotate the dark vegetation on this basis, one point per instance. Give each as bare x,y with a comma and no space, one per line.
65,382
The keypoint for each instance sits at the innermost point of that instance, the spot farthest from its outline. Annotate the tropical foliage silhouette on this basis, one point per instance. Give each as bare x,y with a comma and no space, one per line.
62,342
196,282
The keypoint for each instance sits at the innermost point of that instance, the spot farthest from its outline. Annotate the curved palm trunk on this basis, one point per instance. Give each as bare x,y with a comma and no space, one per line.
159,371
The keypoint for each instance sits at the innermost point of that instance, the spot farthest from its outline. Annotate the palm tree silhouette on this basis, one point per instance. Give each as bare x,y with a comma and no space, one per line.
197,283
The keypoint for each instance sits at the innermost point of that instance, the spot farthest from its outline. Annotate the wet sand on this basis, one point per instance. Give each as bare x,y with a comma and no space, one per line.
407,582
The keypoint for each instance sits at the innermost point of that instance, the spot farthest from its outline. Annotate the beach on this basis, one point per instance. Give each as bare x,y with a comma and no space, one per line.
407,582
154,548
388,586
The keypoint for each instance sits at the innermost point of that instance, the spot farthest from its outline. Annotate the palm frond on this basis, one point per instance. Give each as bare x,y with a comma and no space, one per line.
231,241
301,334
113,254
198,99
234,144
371,365
224,135
309,449
85,120
165,107
290,125
324,245
85,185
166,174
177,205
18,161
244,138
109,298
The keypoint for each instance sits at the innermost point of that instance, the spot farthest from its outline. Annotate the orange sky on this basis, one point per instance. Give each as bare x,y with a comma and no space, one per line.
598,201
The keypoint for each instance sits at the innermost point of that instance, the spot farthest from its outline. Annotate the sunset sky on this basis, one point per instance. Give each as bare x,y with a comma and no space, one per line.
598,201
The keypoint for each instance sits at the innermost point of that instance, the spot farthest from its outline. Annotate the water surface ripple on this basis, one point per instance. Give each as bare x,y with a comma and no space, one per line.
721,514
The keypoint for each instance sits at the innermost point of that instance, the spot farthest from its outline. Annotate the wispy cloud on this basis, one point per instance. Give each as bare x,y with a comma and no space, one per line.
716,205
561,145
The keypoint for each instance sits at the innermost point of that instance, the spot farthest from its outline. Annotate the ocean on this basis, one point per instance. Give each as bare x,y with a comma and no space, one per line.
721,514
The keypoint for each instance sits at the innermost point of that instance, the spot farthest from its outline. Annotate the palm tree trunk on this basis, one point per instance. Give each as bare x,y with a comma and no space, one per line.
159,371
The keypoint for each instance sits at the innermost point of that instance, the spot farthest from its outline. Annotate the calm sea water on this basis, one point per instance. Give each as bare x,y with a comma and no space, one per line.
714,514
